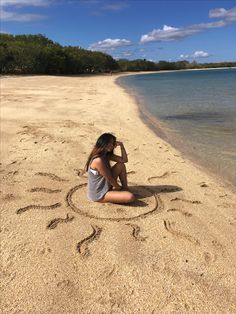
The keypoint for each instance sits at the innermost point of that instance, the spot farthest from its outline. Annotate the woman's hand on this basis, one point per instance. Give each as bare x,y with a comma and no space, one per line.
118,143
123,158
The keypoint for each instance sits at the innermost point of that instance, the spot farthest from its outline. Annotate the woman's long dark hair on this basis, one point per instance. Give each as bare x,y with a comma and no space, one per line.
100,146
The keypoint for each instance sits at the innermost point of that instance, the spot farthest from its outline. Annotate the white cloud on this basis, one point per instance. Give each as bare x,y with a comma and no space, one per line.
169,28
24,3
227,15
127,53
118,6
109,43
196,54
169,33
182,56
221,12
200,54
99,7
15,16
20,17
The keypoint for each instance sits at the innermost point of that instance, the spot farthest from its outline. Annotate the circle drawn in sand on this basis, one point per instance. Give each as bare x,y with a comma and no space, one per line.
147,203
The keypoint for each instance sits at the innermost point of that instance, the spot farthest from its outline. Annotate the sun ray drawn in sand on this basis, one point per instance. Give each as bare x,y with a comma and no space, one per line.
148,202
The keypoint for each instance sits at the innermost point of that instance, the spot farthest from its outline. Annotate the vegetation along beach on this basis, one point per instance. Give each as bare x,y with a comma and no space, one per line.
171,249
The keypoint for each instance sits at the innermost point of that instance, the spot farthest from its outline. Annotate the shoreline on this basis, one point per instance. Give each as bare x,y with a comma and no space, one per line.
2,76
161,131
166,71
170,252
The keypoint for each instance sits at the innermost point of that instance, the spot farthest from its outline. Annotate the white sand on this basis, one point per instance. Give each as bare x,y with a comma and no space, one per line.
173,252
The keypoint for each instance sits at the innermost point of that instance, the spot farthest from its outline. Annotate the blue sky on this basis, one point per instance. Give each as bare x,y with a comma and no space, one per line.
203,30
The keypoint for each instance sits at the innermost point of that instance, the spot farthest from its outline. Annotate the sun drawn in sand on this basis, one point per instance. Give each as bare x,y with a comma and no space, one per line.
147,202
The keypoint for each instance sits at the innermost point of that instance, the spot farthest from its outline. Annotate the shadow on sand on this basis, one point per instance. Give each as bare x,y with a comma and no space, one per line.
144,191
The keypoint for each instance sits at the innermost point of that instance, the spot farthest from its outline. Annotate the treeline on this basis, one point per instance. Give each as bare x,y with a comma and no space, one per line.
36,54
144,65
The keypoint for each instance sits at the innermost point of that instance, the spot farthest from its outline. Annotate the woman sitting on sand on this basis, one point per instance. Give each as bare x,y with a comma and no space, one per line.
102,178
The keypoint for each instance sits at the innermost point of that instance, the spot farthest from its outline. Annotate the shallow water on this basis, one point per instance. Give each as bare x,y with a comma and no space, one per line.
197,111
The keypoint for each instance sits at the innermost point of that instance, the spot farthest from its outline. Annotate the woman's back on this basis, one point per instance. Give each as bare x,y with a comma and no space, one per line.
97,184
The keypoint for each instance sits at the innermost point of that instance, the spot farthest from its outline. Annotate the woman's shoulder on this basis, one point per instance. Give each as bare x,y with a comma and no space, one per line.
97,160
97,157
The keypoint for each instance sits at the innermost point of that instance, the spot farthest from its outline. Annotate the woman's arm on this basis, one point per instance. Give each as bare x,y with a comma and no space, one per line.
99,165
123,158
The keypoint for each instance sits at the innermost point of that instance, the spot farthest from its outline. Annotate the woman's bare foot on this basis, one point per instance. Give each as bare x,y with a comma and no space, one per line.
125,188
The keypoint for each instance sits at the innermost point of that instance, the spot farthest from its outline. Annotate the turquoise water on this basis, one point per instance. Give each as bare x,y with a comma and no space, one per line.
196,111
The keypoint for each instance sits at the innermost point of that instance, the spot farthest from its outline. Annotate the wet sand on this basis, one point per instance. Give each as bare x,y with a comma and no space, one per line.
173,251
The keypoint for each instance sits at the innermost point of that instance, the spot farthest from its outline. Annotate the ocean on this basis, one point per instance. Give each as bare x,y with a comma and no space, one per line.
195,112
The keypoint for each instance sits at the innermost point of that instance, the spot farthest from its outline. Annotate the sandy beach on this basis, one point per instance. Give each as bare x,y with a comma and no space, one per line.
172,251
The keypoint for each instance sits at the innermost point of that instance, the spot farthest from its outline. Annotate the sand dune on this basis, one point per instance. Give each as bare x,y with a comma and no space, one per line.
172,251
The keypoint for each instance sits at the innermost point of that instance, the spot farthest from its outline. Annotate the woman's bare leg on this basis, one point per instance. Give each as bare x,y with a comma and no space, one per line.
118,197
119,171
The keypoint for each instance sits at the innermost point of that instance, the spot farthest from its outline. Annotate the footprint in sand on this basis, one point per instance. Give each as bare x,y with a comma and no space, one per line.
63,283
219,247
108,272
8,197
232,222
43,251
209,257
